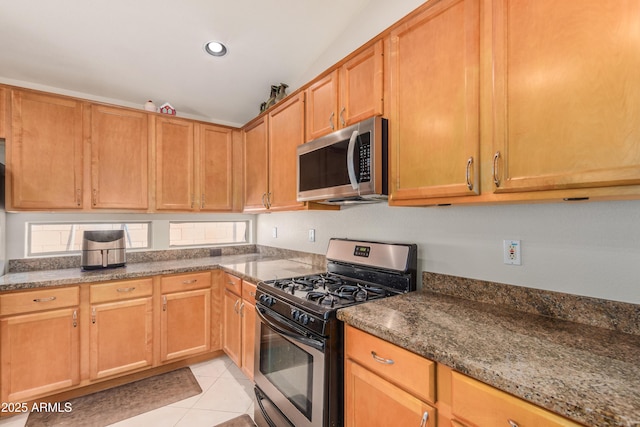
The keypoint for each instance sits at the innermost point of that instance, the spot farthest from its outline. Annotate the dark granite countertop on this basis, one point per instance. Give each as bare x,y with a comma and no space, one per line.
253,267
586,373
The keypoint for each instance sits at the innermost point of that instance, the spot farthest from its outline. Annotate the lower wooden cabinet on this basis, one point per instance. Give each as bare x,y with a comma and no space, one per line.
39,343
248,327
381,375
477,404
58,339
185,327
121,328
239,322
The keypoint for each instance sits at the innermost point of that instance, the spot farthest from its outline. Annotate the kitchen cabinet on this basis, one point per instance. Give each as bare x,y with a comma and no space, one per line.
270,157
121,329
44,152
3,112
566,96
256,164
39,343
194,166
248,327
434,103
216,167
480,405
185,325
232,334
175,164
119,157
350,93
381,375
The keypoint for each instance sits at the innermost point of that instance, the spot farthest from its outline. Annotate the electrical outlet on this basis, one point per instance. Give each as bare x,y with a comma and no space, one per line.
312,235
512,254
274,232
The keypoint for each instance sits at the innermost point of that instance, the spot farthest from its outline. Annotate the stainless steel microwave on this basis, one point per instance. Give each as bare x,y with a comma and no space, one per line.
347,166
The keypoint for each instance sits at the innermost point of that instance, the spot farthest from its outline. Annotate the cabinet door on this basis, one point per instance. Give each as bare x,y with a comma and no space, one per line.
232,334
120,337
434,92
361,86
175,174
216,168
566,94
45,152
40,354
256,165
185,324
3,112
322,106
119,158
366,393
286,132
248,316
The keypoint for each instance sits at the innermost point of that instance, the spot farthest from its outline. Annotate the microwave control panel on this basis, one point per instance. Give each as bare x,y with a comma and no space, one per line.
365,161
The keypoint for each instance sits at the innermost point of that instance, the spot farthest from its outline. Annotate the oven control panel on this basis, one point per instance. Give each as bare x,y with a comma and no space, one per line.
301,317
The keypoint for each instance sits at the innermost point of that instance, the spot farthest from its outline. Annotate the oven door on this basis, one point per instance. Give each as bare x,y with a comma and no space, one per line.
289,370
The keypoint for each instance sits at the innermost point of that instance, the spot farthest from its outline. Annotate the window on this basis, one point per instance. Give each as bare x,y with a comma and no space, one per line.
207,233
61,238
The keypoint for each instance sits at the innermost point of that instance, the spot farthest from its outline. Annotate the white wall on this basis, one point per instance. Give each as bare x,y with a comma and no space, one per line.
590,249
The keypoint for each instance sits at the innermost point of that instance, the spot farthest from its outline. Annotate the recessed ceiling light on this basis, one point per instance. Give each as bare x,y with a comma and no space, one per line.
215,48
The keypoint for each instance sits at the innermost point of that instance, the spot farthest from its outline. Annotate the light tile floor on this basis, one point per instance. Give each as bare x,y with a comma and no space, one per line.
226,393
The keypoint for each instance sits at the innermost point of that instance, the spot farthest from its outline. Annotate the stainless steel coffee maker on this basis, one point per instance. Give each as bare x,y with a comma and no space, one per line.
103,249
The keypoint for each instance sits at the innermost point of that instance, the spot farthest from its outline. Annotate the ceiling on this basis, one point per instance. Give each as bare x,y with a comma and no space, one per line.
131,51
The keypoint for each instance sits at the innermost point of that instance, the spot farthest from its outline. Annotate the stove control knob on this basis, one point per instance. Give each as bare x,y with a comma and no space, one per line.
304,319
295,314
267,300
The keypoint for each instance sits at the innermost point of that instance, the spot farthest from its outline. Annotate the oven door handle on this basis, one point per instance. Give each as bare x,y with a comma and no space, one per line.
318,345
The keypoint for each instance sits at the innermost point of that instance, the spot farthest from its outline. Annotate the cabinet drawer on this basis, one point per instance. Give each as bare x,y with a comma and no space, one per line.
185,282
403,368
115,291
484,406
233,283
248,291
42,299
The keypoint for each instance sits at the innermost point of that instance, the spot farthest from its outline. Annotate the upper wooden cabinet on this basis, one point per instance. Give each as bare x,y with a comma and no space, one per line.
44,152
256,164
270,157
434,102
216,167
175,165
194,169
286,132
3,112
350,93
566,94
119,157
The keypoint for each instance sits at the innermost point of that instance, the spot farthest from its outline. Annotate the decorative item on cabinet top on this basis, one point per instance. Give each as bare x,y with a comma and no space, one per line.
150,106
277,94
167,108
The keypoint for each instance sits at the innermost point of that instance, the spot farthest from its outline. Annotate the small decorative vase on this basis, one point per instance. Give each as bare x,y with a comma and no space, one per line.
150,106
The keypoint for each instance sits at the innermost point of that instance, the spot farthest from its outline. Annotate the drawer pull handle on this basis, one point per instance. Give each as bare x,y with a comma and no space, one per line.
44,299
132,288
512,423
425,418
189,282
381,359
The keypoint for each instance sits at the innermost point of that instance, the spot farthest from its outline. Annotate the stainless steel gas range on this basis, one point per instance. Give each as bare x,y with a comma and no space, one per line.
299,342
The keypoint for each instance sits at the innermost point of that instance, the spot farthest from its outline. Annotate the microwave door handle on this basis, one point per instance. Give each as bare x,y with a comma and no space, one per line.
351,170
